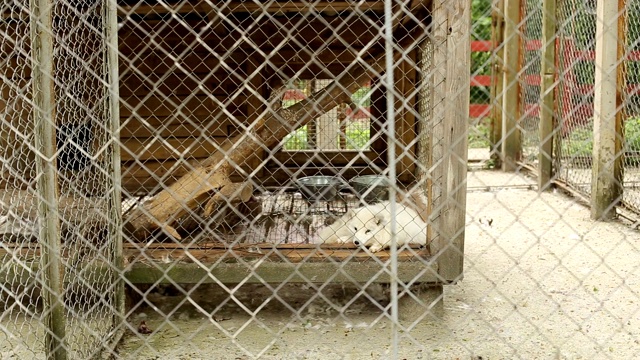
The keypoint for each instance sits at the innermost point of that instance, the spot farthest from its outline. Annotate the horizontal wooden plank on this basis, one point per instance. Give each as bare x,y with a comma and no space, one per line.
159,149
248,6
162,61
197,106
423,271
180,127
177,37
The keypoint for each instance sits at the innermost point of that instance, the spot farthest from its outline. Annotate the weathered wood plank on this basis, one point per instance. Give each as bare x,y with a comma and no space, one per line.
195,105
405,76
606,178
44,120
547,94
452,53
213,125
230,273
511,137
497,85
330,7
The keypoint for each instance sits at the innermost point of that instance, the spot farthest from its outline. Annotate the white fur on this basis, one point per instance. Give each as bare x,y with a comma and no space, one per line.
370,226
336,233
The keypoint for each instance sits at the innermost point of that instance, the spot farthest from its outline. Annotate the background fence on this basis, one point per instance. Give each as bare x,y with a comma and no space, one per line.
158,152
571,43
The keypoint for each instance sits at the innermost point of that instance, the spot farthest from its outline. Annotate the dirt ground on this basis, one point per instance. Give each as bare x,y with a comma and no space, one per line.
542,282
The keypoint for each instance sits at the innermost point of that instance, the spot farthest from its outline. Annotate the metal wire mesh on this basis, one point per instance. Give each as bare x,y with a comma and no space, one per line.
631,97
85,153
262,144
576,69
481,70
531,53
20,291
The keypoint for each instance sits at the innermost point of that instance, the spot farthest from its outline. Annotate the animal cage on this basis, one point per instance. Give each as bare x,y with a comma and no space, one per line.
224,106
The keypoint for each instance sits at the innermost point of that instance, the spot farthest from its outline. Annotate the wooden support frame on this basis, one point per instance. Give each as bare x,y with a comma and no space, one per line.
44,116
452,54
497,86
547,94
115,193
511,137
606,179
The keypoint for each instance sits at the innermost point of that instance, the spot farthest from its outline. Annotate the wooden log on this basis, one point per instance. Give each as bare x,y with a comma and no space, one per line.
232,193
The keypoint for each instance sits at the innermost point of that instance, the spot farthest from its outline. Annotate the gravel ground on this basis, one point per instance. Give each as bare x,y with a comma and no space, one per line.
542,282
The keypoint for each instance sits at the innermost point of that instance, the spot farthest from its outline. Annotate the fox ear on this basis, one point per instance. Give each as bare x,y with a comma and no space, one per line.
381,219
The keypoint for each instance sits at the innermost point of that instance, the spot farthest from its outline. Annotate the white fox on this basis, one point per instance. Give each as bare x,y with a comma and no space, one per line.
370,226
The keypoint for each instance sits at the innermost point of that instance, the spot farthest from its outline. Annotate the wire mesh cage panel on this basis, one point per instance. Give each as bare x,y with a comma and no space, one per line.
531,28
178,145
631,104
254,134
576,69
56,76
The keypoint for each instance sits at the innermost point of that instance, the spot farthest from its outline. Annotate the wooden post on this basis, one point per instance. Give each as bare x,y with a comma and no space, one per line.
547,94
606,180
44,116
511,142
115,201
497,88
451,79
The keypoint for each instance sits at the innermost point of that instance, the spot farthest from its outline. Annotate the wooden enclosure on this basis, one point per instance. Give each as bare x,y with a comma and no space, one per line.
195,79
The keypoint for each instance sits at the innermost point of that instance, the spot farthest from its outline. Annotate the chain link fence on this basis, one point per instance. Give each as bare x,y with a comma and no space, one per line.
59,245
631,195
575,92
531,53
288,179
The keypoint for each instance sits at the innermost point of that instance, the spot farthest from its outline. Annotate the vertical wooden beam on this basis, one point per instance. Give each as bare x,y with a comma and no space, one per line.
451,79
44,117
115,178
511,139
255,104
405,118
606,180
547,94
497,88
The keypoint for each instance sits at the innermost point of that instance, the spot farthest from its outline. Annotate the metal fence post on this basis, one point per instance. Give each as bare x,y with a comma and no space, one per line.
44,115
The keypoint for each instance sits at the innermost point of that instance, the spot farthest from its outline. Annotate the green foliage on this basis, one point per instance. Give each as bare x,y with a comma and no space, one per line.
297,140
362,97
632,134
481,19
580,141
479,134
357,134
